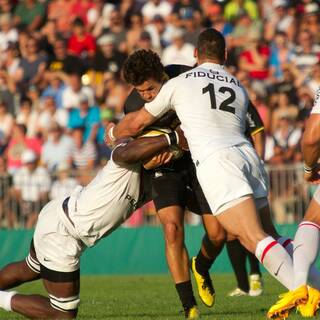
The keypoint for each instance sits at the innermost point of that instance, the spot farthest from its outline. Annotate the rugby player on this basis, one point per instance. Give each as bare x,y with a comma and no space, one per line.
67,226
211,105
171,192
306,240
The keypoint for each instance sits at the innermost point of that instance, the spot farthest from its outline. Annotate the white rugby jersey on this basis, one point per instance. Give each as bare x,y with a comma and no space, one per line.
316,104
211,105
107,201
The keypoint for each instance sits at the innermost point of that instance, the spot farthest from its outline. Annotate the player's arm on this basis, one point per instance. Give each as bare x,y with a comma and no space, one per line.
256,129
310,143
143,148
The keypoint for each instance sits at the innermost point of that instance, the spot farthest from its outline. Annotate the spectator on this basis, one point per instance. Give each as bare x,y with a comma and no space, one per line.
81,43
7,91
236,7
10,61
31,185
8,33
60,10
64,185
86,116
190,24
134,32
179,52
55,89
83,155
64,63
156,29
107,58
57,148
80,10
154,7
29,14
6,125
32,66
17,144
73,91
49,114
28,117
6,220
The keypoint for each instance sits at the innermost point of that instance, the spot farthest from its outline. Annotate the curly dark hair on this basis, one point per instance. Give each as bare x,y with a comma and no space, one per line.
141,66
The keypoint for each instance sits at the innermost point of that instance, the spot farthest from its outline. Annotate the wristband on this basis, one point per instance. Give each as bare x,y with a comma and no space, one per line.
111,135
308,169
172,138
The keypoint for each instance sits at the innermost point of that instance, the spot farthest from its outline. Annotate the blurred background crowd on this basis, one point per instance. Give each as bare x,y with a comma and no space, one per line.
60,84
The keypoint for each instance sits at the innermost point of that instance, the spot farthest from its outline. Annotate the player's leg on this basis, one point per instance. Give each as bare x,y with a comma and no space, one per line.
211,246
62,302
20,272
237,256
172,220
169,195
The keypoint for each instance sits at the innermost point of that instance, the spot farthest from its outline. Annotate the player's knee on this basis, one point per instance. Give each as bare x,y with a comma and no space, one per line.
217,238
173,233
67,307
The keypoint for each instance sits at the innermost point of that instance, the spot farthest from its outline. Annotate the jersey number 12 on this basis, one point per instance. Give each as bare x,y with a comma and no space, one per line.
225,105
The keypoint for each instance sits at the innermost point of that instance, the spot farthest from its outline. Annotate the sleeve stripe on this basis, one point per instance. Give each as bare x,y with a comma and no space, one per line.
256,131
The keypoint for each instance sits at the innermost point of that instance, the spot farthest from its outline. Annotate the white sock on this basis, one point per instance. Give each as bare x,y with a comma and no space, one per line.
306,243
314,274
276,260
5,299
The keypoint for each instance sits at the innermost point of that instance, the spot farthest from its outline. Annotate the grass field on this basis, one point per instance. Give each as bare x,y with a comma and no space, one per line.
154,297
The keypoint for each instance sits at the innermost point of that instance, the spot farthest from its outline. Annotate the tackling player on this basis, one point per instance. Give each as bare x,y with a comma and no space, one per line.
211,105
66,227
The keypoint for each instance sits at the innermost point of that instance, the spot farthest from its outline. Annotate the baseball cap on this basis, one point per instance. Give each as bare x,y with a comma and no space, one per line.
28,156
279,3
177,33
83,98
106,40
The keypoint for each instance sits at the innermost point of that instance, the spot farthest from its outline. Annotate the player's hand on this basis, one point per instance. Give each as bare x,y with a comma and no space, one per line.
108,137
313,177
183,143
158,160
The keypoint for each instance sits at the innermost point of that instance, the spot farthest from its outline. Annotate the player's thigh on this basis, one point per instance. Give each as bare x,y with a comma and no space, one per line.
169,189
242,221
313,211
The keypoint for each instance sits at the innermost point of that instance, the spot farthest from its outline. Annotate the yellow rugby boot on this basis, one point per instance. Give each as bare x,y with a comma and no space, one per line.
287,301
309,309
204,285
192,313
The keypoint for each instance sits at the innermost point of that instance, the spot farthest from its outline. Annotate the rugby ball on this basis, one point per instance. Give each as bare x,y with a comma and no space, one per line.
154,132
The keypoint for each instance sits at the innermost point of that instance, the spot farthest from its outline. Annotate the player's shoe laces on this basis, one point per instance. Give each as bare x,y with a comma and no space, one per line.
287,301
204,284
237,292
256,286
309,309
192,313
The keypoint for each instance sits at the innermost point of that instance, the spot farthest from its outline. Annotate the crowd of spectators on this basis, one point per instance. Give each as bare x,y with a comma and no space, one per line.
60,78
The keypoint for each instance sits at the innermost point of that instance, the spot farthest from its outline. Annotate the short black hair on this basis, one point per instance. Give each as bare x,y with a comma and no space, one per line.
211,44
141,66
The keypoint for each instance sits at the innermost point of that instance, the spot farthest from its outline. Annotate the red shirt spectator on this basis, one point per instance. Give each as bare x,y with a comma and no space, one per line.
81,43
255,61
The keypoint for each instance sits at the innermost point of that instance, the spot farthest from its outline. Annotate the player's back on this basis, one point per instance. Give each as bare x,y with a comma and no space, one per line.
105,202
212,106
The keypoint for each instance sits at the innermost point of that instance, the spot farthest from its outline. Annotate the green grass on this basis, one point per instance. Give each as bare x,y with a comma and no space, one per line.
154,297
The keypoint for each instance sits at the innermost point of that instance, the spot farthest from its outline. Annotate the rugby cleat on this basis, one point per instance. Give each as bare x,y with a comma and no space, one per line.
192,313
256,286
309,309
287,301
204,285
237,292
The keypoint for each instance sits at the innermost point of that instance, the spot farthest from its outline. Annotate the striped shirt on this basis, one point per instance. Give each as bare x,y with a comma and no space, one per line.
81,157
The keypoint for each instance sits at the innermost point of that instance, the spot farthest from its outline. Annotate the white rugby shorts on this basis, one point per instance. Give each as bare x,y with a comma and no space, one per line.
55,247
232,174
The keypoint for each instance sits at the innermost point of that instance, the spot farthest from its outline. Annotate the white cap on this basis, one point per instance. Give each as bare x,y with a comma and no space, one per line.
28,156
106,39
177,33
279,3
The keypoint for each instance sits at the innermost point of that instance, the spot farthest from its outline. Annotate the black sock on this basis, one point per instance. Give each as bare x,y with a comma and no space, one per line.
185,293
237,256
203,264
254,263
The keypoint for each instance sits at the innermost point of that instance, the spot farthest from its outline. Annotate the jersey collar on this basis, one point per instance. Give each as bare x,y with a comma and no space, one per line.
209,65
